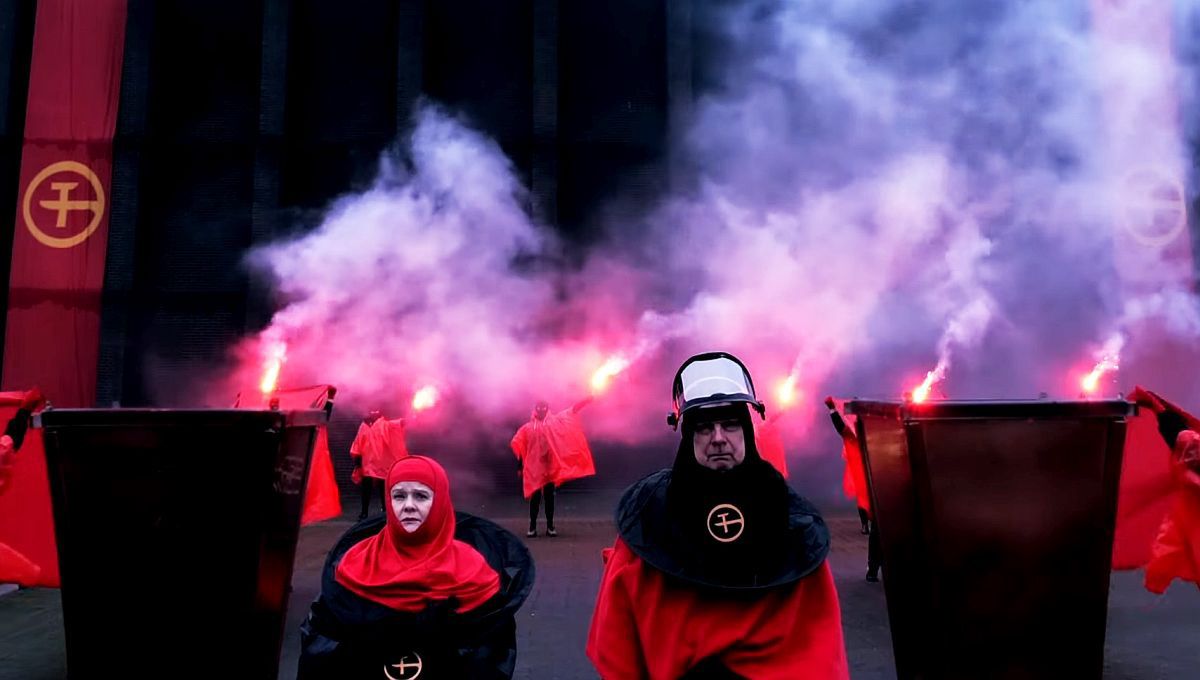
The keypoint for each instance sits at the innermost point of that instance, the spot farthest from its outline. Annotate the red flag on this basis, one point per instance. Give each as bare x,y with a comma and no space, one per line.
1176,550
1146,483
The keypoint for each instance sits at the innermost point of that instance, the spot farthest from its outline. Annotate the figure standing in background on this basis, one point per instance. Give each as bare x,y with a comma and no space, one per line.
854,485
377,446
551,450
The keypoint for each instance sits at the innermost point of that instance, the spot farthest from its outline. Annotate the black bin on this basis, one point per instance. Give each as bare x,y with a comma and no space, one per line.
176,534
996,524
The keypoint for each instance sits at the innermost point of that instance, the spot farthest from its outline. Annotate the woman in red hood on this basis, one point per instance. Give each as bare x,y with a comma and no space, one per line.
422,590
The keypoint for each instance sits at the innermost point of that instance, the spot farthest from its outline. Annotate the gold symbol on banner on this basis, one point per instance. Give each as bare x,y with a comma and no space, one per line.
1153,206
723,513
404,667
62,204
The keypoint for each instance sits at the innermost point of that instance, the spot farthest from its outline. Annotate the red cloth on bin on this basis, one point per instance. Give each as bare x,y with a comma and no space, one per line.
1176,549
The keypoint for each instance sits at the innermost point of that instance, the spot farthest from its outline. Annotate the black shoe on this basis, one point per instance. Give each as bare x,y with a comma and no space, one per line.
551,532
866,530
532,533
872,576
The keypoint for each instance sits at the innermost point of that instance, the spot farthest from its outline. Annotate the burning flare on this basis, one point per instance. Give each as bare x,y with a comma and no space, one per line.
275,354
921,392
785,393
607,371
426,397
1108,359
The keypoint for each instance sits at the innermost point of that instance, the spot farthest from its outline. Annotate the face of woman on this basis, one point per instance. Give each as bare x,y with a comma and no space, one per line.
411,502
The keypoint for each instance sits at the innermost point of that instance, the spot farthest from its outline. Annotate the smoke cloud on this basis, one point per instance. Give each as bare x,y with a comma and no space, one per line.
868,190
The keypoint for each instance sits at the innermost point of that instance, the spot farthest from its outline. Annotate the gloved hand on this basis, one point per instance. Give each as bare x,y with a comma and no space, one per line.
829,403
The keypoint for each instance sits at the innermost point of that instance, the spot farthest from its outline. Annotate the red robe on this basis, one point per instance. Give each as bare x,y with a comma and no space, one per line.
1176,549
648,627
553,450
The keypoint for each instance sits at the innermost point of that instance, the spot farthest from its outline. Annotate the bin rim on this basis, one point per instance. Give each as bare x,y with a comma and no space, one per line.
123,417
993,409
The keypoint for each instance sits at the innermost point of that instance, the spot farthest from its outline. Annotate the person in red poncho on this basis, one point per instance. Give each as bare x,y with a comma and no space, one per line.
1176,549
719,570
378,444
854,485
551,450
422,591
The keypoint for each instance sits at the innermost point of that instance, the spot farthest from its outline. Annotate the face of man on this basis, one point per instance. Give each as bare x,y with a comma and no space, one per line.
719,444
540,410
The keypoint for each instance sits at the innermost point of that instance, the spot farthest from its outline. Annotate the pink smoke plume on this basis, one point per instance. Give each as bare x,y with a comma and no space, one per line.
865,184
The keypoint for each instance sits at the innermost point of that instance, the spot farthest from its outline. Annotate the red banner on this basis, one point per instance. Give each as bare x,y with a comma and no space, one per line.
63,204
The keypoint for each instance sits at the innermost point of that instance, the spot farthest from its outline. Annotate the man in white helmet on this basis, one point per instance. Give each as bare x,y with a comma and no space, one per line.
719,570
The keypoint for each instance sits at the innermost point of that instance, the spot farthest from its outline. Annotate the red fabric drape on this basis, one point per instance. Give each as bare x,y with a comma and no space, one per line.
1176,549
1146,484
321,498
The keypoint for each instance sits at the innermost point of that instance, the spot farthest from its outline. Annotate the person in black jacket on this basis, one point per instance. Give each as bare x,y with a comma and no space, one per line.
421,591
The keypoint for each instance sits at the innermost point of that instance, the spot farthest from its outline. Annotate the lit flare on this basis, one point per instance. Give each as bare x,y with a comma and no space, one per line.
607,371
425,398
275,355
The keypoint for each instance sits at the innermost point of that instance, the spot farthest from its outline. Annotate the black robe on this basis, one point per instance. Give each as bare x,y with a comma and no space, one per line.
348,636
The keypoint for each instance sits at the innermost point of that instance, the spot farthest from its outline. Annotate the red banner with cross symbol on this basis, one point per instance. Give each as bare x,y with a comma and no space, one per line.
61,233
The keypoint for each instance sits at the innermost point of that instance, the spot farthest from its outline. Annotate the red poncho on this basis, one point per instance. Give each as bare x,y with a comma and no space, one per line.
553,450
1176,549
647,627
379,445
406,571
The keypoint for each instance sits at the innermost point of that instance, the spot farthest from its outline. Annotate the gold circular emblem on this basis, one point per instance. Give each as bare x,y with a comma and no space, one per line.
410,667
61,203
726,523
1153,206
